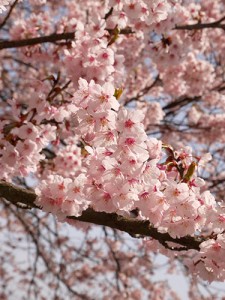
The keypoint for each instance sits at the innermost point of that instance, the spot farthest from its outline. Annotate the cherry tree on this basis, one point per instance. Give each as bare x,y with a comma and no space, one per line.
112,113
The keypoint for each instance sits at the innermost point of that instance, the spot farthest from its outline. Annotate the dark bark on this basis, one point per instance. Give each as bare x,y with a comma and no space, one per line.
52,38
200,26
136,228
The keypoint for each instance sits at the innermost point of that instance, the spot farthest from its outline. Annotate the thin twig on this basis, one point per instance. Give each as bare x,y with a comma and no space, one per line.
8,14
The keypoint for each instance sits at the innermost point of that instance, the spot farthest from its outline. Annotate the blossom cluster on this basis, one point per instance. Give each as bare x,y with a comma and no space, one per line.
124,172
88,150
90,58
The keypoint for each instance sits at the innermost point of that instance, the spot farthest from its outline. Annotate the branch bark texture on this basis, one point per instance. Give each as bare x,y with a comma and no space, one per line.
134,227
52,38
200,26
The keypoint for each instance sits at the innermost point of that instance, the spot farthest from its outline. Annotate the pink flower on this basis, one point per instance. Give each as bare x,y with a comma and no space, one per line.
177,192
158,11
61,196
125,201
26,131
133,9
129,120
10,156
154,148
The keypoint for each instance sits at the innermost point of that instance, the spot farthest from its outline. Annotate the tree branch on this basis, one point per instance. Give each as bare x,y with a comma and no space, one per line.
132,226
8,14
200,26
178,103
52,38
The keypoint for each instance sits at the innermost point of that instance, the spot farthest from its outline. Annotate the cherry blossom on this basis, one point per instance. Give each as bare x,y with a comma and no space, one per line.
115,113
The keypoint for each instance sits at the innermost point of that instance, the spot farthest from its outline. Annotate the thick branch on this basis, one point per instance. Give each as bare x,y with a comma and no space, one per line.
132,226
200,26
52,38
135,228
17,195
